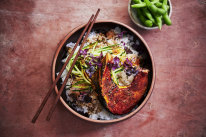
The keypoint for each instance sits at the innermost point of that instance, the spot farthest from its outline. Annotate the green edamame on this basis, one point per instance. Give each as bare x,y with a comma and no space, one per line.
141,17
154,1
148,2
137,1
152,12
159,5
141,5
164,2
158,21
148,14
154,9
146,22
166,18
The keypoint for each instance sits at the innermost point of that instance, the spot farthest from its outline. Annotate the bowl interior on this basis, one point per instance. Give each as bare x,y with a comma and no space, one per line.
147,62
135,19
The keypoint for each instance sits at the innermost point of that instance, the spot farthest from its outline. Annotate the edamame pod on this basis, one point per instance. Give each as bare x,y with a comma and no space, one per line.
154,9
161,11
137,1
148,14
159,21
148,2
146,22
157,10
141,17
159,5
152,12
154,0
166,18
164,2
138,5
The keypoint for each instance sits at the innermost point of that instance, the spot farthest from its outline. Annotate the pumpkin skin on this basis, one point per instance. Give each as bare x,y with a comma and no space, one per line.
119,99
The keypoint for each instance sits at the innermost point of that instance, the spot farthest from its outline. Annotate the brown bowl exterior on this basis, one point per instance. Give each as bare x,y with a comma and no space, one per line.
57,66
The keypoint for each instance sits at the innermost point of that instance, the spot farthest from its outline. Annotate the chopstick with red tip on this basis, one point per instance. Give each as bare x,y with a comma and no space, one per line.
91,20
70,70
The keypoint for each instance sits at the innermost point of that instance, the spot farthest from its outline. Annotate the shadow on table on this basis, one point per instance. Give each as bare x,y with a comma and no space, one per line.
68,123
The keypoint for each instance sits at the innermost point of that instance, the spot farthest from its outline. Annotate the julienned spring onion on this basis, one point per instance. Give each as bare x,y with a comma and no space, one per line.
114,74
81,66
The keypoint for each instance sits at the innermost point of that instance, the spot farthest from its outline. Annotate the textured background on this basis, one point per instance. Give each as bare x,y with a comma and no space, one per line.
29,33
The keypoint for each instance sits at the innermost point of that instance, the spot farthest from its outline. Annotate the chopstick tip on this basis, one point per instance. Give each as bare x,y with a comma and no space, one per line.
34,120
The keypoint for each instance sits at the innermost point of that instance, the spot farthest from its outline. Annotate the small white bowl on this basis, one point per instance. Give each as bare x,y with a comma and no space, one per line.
135,19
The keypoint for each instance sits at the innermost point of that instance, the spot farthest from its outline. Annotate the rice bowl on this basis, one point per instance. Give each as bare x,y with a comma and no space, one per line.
129,39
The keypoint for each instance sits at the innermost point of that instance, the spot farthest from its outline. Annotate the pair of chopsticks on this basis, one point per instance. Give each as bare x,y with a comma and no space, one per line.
91,20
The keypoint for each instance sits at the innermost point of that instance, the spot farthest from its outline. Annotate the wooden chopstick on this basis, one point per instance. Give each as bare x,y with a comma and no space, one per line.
60,73
70,70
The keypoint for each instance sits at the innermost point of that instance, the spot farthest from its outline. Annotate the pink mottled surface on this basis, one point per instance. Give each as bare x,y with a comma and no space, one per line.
29,33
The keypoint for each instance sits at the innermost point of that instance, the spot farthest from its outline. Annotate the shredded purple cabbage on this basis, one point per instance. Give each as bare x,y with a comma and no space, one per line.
115,64
73,76
92,63
127,63
97,60
83,52
129,68
88,63
99,64
120,35
90,71
116,60
127,50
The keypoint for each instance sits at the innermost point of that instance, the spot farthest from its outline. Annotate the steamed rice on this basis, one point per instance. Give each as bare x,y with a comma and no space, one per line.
98,111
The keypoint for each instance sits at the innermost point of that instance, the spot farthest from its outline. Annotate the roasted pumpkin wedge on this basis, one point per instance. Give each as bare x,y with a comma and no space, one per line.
120,100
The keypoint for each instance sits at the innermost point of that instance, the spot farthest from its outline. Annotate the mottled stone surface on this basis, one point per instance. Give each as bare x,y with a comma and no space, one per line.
29,33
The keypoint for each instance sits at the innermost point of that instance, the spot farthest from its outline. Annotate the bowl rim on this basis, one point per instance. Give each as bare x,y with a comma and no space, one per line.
142,26
60,45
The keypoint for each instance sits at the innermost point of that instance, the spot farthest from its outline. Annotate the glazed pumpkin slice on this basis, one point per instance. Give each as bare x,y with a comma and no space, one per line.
117,99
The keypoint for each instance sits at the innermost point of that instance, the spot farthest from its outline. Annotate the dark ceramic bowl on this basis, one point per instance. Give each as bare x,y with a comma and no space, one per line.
100,26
